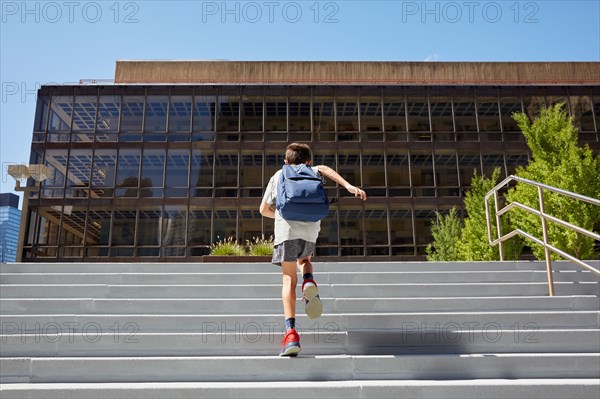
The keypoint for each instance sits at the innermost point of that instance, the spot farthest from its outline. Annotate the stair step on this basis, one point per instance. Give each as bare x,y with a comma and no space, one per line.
337,322
173,306
320,267
305,367
275,277
405,389
252,340
274,290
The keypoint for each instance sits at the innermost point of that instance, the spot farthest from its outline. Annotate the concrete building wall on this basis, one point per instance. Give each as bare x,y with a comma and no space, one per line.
357,72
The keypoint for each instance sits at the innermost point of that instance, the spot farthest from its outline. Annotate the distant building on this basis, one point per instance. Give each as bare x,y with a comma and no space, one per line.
10,219
175,155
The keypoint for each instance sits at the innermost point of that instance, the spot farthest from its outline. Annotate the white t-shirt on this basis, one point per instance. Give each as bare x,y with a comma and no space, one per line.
290,229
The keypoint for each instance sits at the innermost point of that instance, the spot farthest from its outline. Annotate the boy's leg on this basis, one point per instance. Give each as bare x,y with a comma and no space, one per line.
314,307
288,290
305,265
291,339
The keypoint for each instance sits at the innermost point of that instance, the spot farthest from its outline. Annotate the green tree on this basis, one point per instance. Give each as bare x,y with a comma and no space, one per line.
557,161
446,231
474,245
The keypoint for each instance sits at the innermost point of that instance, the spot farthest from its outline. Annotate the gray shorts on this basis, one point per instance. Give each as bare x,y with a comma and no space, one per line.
292,250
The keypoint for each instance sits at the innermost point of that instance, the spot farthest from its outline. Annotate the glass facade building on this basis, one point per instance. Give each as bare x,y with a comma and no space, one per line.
158,172
10,222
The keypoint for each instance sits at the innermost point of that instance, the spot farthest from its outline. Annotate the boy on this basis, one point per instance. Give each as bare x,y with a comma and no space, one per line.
294,245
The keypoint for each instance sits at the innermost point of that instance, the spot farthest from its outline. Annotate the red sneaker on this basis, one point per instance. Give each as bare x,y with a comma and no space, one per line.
314,307
290,344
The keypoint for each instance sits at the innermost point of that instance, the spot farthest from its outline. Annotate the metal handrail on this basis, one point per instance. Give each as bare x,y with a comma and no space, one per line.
544,217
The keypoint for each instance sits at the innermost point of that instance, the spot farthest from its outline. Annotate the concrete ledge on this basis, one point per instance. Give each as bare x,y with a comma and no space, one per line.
397,290
47,302
352,72
334,322
408,389
253,340
216,278
305,368
320,267
468,389
337,322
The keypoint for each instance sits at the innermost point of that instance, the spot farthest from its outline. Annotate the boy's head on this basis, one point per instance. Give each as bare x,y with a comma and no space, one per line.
296,153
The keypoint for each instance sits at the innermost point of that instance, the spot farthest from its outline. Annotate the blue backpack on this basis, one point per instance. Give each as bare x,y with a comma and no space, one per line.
301,195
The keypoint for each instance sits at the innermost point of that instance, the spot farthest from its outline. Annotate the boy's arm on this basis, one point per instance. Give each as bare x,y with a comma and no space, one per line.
335,176
266,210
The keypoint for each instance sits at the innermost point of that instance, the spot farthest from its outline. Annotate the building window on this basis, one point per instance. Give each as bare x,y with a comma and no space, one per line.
78,176
103,173
174,229
41,114
533,101
351,230
469,161
323,114
201,173
422,176
465,120
155,122
153,172
84,118
250,224
418,114
148,230
394,114
180,114
228,119
123,230
299,111
132,115
177,174
510,103
226,174
371,114
109,111
446,174
346,101
252,110
488,114
205,113
442,121
128,172
276,111
61,112
376,223
199,230
251,180
582,109
56,161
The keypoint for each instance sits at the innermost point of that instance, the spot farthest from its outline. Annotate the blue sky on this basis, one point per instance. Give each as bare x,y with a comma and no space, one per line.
64,41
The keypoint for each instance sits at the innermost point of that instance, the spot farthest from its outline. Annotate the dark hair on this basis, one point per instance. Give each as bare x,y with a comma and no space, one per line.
296,153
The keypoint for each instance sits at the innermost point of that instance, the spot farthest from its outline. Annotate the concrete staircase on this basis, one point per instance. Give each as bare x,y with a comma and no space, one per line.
389,330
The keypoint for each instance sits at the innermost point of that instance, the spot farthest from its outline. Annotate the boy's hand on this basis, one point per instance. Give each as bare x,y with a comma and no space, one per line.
357,192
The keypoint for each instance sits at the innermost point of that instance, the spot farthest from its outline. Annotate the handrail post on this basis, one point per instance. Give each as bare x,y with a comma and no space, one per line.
498,225
546,249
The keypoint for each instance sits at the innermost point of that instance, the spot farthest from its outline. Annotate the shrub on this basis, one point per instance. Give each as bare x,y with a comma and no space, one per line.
446,231
227,247
260,246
